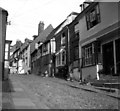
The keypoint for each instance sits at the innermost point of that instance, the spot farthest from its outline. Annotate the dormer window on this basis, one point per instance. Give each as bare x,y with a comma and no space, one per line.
93,17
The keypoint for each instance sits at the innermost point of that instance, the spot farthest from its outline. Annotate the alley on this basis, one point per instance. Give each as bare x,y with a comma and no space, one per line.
54,93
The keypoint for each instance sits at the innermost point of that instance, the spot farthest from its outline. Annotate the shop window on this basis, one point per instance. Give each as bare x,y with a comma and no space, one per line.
93,17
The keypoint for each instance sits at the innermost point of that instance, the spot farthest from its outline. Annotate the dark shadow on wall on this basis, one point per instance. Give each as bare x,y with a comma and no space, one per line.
7,89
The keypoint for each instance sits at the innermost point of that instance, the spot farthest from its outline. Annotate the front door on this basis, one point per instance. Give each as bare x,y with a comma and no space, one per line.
108,58
117,44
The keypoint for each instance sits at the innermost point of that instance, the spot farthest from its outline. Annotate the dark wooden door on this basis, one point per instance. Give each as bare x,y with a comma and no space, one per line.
117,42
108,58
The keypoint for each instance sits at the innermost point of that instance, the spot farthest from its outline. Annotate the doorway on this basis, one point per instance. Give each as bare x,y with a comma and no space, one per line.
117,46
108,58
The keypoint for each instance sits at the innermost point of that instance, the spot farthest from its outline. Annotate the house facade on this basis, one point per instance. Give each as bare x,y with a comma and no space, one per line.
73,47
7,58
62,39
3,23
40,51
15,58
99,39
25,57
44,57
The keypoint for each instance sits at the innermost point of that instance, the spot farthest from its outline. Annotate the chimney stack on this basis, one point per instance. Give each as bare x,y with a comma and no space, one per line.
35,36
40,27
85,4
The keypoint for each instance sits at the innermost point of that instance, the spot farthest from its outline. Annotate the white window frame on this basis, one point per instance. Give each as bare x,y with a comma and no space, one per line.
88,55
59,58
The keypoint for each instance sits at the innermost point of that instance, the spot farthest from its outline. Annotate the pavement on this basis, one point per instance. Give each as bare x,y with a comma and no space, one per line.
16,96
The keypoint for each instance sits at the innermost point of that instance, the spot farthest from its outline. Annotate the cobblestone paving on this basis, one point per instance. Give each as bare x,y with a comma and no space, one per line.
55,94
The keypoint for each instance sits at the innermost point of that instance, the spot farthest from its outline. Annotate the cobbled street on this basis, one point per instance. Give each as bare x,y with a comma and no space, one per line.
55,93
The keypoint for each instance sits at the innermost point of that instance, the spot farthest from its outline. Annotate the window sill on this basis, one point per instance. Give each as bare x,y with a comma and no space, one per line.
89,65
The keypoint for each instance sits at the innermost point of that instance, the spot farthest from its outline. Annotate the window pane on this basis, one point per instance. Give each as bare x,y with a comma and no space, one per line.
6,47
97,9
63,58
88,58
93,17
6,55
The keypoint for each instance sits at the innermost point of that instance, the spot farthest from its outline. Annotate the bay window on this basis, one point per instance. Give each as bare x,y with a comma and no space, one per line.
61,58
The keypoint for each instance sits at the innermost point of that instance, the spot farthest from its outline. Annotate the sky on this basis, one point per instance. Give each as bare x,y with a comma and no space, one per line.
25,15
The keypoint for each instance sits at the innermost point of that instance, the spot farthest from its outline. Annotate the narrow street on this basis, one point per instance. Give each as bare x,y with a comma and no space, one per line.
55,93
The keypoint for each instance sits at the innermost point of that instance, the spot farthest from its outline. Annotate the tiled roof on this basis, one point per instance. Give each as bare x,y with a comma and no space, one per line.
25,44
42,37
51,35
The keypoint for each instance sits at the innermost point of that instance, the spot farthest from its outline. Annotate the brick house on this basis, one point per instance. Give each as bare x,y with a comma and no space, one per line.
62,48
99,39
44,57
73,45
38,50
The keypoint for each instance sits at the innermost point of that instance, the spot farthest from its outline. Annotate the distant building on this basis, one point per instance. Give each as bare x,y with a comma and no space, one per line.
15,58
25,58
7,58
3,23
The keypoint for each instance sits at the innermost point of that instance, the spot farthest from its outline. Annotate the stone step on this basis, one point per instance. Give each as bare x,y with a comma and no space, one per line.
107,85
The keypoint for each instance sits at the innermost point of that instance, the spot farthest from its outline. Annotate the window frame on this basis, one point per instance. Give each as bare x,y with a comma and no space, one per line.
59,58
88,55
45,49
89,16
63,38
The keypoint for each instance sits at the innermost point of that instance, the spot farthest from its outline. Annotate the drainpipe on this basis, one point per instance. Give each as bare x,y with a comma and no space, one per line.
68,49
114,52
80,65
80,61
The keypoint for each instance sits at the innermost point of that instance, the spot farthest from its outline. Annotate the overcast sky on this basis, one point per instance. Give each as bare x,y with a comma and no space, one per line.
26,14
